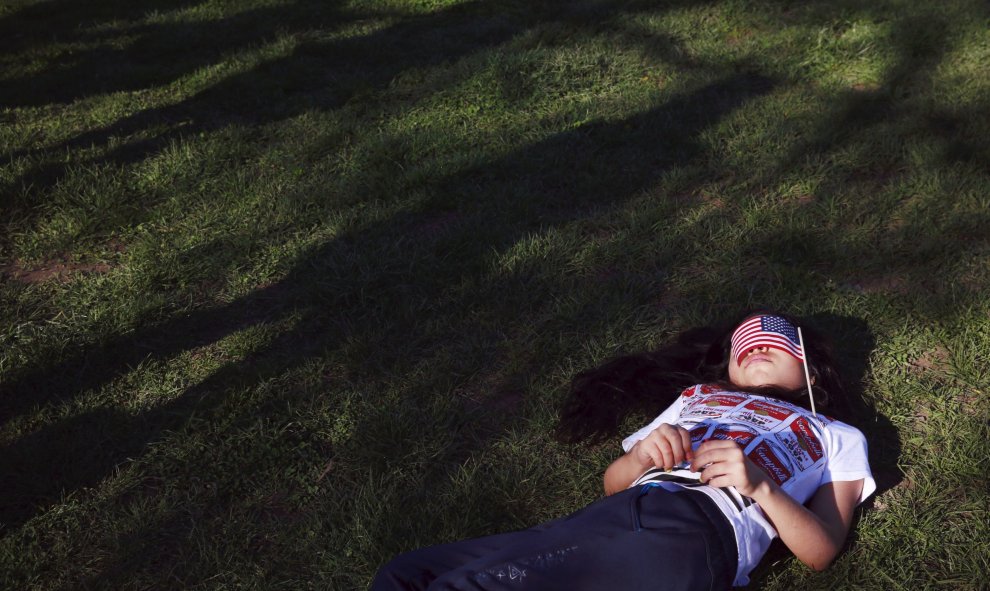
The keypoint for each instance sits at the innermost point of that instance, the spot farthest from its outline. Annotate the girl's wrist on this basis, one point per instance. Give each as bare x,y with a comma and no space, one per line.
764,491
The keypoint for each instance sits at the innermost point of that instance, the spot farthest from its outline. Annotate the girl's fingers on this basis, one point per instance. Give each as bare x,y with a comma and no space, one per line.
673,444
715,455
648,452
686,443
717,444
655,456
667,452
678,440
724,474
676,451
718,481
659,440
653,450
729,468
711,471
702,460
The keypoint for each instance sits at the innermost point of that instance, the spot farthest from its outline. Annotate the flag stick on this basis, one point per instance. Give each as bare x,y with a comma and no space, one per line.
807,377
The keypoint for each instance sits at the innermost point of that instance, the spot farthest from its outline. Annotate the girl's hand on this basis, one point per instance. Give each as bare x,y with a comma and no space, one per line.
722,463
665,447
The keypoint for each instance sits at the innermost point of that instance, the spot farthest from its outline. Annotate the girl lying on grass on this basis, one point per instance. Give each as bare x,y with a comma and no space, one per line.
734,461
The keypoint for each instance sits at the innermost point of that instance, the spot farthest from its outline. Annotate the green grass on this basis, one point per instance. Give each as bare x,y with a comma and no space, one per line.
290,286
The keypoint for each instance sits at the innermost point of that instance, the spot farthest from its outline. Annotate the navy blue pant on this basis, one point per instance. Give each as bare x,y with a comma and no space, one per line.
641,538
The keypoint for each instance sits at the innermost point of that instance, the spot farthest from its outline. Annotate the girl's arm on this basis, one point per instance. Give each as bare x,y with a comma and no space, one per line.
816,533
664,447
621,473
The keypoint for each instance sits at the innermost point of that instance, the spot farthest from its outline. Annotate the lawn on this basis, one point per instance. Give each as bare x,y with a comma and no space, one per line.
291,286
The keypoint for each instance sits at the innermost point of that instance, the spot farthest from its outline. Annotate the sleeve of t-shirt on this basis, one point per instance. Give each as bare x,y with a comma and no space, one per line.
669,416
848,459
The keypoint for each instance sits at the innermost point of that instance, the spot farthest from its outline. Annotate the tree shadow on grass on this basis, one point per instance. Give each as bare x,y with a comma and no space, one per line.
319,74
916,232
130,57
598,166
854,342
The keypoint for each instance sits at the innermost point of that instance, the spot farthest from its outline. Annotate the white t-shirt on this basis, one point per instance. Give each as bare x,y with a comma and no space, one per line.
799,451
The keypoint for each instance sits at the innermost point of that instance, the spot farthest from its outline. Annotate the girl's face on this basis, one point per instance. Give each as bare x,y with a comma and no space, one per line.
758,357
766,366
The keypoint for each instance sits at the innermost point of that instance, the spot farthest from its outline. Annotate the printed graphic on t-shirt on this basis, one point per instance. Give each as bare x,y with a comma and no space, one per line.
770,458
698,433
712,405
739,433
773,434
802,443
764,415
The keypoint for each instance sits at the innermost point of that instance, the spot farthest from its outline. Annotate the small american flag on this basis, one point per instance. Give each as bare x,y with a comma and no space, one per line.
766,331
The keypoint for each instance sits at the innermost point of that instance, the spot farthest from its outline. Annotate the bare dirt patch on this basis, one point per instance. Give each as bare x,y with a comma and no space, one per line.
969,402
865,87
936,359
59,270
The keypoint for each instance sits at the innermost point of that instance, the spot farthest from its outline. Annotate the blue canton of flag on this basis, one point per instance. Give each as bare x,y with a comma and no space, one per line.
778,324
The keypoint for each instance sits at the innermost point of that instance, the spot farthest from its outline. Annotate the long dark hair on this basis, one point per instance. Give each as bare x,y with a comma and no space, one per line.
648,382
